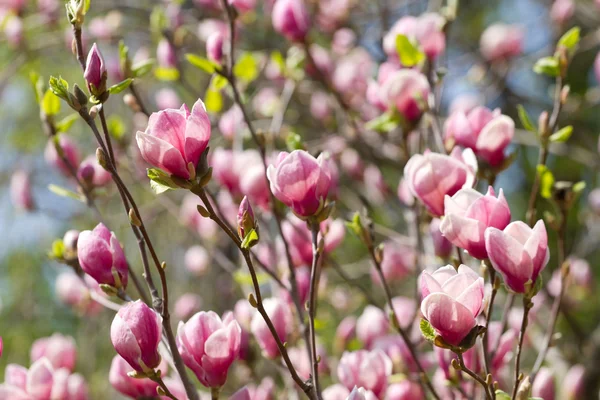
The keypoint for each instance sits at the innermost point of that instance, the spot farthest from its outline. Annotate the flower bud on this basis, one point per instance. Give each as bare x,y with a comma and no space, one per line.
165,54
281,316
367,369
543,386
20,191
95,73
214,47
291,19
91,172
101,256
441,246
573,383
135,334
245,218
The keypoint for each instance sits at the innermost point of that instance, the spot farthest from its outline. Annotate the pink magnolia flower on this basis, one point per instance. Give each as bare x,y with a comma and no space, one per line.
187,305
266,102
501,41
405,390
505,342
40,379
175,138
432,176
125,384
209,345
135,334
67,386
73,291
468,214
243,6
407,91
300,181
291,19
398,261
214,47
518,252
405,309
452,300
92,172
367,369
343,41
264,391
322,59
302,364
20,190
95,71
371,325
487,133
361,394
441,246
242,394
573,383
101,256
281,316
59,350
167,98
166,55
70,151
232,122
352,73
426,30
196,260
336,392
543,386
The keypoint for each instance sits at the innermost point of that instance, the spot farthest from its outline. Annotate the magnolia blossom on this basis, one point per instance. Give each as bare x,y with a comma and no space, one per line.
175,139
95,71
167,98
135,334
518,252
209,345
405,390
426,30
487,132
281,316
543,386
20,190
291,19
432,176
367,369
187,305
59,350
371,325
21,383
300,181
501,41
125,384
196,260
70,153
452,300
406,90
467,216
92,172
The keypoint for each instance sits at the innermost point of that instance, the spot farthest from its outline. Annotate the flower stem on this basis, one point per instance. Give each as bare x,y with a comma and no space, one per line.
488,319
473,375
527,304
312,305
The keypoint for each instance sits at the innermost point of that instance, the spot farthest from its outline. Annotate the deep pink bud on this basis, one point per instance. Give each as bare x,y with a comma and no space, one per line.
59,350
246,221
346,331
187,305
371,325
40,379
124,384
166,55
95,71
101,256
291,19
368,369
405,390
20,190
501,41
398,261
452,301
407,91
432,176
243,6
518,252
280,314
209,345
69,150
300,181
175,138
135,334
573,383
543,386
214,47
468,214
441,246
92,172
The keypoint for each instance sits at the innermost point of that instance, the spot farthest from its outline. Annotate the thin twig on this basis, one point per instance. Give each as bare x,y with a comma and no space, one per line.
527,304
473,375
312,305
488,318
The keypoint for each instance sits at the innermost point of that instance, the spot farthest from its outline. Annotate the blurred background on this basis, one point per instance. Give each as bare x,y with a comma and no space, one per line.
29,307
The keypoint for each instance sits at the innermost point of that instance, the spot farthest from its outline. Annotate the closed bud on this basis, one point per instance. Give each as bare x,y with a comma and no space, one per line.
93,112
95,73
245,218
543,122
133,218
101,157
80,95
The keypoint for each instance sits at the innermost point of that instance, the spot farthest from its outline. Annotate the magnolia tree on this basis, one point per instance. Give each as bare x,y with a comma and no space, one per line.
229,173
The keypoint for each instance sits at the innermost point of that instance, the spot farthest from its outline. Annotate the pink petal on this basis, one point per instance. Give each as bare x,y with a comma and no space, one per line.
162,154
197,133
449,318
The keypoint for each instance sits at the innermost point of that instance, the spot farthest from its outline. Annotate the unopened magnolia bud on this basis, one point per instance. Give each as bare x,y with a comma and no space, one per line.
564,93
101,157
203,211
252,300
93,112
133,218
543,122
95,73
80,95
245,218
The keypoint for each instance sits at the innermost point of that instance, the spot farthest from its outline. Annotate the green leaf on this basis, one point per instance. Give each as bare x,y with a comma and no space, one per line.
59,87
65,124
277,59
354,344
119,87
384,123
246,68
579,187
500,395
160,181
547,66
50,103
250,240
427,330
242,277
61,191
213,100
86,6
293,141
142,68
166,74
546,181
202,63
116,127
562,135
355,225
409,54
570,39
525,120
218,82
58,249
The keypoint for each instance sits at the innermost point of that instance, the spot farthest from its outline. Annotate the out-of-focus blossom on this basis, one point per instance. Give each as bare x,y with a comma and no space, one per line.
20,190
187,305
214,47
69,151
543,386
501,41
426,30
73,291
320,106
167,98
562,11
197,260
243,6
368,369
371,325
407,91
208,26
580,281
266,102
573,383
166,55
58,349
189,216
441,246
323,62
343,41
405,390
346,331
92,172
281,316
398,261
125,384
232,122
332,13
291,19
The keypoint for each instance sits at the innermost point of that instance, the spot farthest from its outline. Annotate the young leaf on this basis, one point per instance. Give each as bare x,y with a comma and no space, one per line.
213,100
62,192
546,66
570,39
158,188
250,240
546,181
384,123
218,82
408,53
116,127
119,87
160,181
578,187
59,87
524,118
201,62
427,330
65,124
142,68
562,135
500,395
50,103
277,58
246,68
166,74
